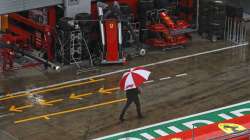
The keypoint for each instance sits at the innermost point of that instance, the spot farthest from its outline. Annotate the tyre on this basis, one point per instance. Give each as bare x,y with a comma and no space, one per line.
162,4
64,24
203,19
143,7
84,23
233,10
125,9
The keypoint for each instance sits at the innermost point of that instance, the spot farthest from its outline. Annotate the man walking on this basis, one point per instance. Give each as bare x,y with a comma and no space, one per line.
132,96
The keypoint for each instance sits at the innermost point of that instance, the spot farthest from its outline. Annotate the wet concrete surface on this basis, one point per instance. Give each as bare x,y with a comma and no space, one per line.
208,81
35,77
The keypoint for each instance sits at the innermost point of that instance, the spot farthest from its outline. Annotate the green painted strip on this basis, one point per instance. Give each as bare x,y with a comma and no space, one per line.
183,123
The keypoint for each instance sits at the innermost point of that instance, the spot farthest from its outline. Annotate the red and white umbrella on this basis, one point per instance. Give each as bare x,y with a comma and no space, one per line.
134,78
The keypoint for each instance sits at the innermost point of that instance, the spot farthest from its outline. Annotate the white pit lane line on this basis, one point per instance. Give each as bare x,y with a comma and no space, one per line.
165,78
124,70
181,75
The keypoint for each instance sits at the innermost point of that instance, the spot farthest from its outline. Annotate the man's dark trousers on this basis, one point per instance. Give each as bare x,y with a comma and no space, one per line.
132,96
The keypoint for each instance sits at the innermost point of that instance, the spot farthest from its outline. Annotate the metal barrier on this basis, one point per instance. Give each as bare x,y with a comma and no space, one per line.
235,30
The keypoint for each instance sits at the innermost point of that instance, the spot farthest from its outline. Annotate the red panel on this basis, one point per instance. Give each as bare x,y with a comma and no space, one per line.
52,16
211,131
111,30
45,40
19,31
27,21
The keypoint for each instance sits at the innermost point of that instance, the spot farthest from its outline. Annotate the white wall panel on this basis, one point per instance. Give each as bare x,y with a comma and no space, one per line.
9,6
73,7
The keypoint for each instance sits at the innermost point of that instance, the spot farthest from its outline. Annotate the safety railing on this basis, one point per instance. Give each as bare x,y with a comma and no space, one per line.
235,30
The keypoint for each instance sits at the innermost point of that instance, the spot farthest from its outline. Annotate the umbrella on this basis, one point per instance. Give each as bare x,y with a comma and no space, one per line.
134,78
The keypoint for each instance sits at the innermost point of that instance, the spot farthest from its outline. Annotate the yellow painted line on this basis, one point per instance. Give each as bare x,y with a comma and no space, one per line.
50,89
13,108
50,103
107,91
74,96
79,97
19,109
47,116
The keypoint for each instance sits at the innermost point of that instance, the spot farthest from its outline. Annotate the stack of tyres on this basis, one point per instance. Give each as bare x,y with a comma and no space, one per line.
212,19
84,22
126,13
125,9
65,24
203,17
217,17
234,11
143,7
162,4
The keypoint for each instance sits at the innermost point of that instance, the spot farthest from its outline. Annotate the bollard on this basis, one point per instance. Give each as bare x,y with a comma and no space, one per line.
193,135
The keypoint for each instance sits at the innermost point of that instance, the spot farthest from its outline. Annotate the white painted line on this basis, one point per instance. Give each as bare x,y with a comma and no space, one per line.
148,81
175,129
196,54
225,116
181,118
165,78
181,75
123,70
147,136
161,132
6,115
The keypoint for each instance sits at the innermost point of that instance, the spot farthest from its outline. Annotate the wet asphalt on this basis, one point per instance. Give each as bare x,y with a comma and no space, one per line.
177,88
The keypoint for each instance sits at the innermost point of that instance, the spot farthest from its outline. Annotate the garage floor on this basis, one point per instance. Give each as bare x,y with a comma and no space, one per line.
183,82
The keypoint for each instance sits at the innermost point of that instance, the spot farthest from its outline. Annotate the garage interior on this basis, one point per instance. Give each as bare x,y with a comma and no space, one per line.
61,62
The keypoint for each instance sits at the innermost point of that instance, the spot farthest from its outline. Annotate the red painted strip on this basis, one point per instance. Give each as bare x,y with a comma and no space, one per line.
212,131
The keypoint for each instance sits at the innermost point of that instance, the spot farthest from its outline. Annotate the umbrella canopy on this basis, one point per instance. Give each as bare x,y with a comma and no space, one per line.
134,78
